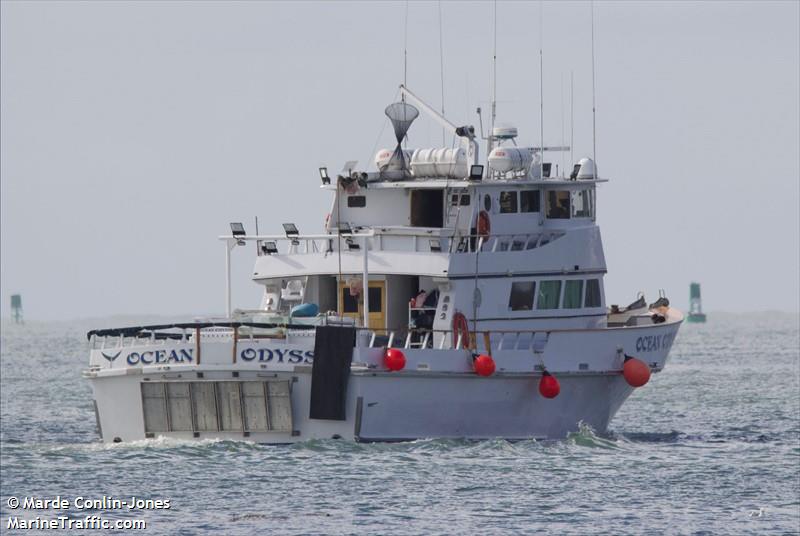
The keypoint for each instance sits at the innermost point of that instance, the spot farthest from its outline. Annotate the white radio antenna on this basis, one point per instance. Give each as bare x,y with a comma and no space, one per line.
441,67
563,140
494,85
571,117
405,51
541,95
594,134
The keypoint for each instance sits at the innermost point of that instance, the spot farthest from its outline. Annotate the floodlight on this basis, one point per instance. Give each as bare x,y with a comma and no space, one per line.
344,228
237,229
290,229
269,247
476,172
323,174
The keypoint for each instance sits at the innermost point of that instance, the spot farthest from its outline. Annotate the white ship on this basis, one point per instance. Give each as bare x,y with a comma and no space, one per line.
445,298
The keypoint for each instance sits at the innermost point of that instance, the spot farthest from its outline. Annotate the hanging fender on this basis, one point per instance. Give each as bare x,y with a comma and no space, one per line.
484,225
460,328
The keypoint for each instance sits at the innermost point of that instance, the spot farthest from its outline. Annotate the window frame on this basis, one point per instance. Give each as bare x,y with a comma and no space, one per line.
541,285
511,304
513,194
579,304
599,294
537,198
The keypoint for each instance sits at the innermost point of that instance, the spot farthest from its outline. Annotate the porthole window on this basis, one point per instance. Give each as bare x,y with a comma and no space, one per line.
487,202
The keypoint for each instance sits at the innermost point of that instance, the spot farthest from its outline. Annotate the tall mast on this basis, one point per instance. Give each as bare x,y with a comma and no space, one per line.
594,134
541,95
490,142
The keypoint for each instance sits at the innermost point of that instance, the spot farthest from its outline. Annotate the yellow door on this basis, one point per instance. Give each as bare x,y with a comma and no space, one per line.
353,306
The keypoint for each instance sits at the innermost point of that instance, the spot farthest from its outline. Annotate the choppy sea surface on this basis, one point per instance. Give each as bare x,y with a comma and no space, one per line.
710,446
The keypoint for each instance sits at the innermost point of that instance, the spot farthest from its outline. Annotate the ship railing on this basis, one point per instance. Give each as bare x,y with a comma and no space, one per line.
483,341
224,331
418,240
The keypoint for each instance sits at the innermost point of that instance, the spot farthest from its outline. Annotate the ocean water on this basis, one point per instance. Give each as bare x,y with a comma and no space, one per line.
710,446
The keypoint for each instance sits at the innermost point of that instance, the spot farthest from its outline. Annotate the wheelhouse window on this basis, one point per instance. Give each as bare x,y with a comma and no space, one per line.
573,294
583,204
521,298
558,202
549,294
508,202
460,200
357,201
529,201
592,293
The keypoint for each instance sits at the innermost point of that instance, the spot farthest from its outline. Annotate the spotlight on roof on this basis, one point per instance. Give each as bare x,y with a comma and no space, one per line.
290,229
291,232
269,247
323,174
476,172
237,230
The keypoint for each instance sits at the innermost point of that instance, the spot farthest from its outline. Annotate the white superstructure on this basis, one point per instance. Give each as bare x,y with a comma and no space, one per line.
431,254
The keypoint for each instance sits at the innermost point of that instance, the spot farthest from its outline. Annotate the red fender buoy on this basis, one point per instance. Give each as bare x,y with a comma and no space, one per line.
635,371
394,359
548,385
484,365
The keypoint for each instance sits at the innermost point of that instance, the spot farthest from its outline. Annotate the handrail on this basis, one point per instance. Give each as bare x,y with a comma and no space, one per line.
451,241
139,331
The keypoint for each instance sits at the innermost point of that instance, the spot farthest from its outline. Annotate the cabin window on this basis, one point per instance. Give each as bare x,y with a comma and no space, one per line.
508,202
357,201
460,200
592,293
529,201
582,204
521,298
573,292
549,294
558,204
349,303
487,202
375,299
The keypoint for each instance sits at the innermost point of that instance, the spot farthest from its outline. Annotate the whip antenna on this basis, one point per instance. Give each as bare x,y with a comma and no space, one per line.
594,135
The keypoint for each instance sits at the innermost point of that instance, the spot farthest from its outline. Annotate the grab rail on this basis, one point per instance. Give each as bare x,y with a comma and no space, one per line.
444,240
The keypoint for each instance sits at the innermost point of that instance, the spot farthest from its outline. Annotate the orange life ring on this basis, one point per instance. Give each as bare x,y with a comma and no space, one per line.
460,328
484,224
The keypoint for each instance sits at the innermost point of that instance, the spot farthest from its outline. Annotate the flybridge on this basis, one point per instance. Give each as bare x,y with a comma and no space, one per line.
504,159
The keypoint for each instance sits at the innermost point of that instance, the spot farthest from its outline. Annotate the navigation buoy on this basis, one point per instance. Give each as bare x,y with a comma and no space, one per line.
484,365
548,385
394,359
635,371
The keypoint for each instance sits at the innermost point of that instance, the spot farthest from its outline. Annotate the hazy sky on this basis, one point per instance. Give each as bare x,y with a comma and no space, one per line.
132,133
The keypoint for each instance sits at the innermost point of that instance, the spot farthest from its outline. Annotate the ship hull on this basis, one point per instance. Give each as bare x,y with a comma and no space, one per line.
261,391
